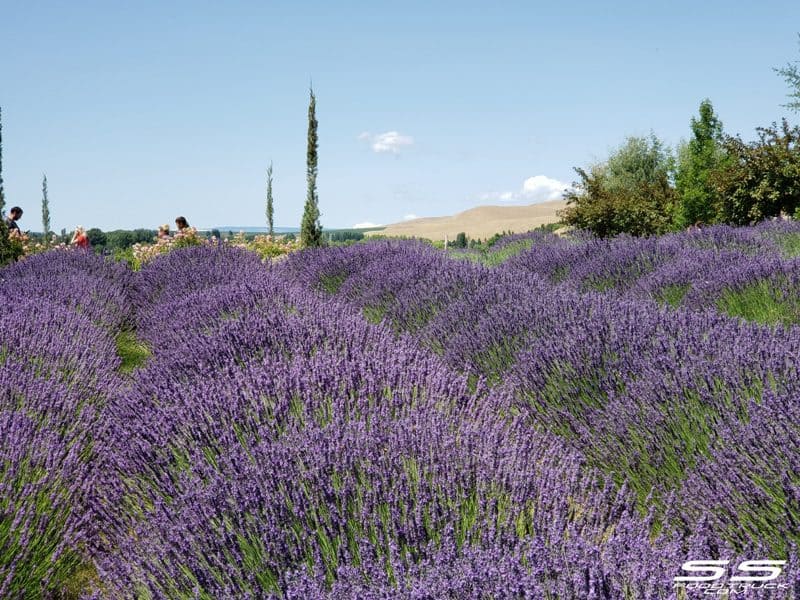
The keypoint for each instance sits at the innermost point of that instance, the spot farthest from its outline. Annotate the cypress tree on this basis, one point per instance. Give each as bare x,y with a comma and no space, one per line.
6,252
697,161
310,229
45,212
270,210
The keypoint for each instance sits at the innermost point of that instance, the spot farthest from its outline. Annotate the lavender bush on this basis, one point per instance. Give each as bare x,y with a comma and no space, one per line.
57,368
380,461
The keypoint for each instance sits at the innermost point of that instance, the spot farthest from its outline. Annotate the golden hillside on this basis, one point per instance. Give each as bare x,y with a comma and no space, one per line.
480,222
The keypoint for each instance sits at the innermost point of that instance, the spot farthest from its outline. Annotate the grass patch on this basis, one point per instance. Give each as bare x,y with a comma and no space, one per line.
490,257
131,351
599,284
672,295
762,302
374,314
332,283
494,258
789,244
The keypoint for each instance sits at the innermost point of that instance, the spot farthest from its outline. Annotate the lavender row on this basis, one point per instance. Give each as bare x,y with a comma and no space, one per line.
709,268
57,367
648,395
278,444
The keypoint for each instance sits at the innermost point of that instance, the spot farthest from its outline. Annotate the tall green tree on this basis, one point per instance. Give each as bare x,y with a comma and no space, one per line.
270,209
45,211
310,228
791,73
631,192
7,251
697,160
760,179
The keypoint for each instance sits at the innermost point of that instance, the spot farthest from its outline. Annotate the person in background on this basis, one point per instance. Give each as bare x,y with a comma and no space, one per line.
14,215
163,231
181,223
80,239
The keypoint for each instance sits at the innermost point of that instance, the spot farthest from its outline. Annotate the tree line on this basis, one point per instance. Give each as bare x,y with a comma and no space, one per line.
643,188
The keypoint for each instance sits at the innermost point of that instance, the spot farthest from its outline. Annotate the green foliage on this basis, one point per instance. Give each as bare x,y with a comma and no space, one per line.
96,237
133,353
344,236
10,249
492,258
187,240
310,229
45,212
765,302
789,244
545,228
460,241
672,295
760,179
267,247
332,282
270,208
697,160
127,255
629,193
47,516
495,238
549,227
121,239
791,73
374,314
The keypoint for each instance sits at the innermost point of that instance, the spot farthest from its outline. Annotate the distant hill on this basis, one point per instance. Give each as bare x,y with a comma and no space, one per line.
480,222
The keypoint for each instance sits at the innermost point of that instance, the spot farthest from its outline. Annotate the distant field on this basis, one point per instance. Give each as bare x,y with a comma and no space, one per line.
480,222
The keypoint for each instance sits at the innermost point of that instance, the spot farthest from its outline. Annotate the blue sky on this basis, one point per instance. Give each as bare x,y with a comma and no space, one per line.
139,112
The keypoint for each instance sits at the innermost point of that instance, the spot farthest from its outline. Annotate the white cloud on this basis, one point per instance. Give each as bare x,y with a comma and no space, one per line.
538,188
410,217
365,225
390,142
541,188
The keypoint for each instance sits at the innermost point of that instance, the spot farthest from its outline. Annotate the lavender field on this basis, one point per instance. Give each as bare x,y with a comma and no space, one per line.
554,417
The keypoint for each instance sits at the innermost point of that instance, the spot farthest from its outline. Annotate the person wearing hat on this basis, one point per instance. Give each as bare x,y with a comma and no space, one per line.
80,239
